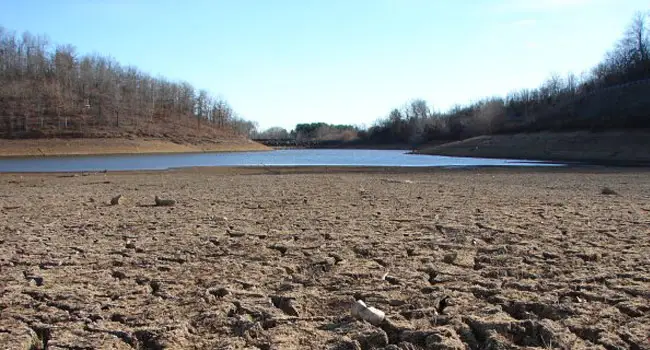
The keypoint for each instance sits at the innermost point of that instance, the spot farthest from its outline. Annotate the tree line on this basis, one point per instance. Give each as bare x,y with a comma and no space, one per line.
560,103
611,95
52,89
318,131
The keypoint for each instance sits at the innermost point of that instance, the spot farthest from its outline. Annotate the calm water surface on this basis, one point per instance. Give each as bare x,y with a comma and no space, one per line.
302,157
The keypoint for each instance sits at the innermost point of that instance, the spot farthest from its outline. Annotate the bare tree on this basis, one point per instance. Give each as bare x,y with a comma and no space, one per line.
571,84
636,42
630,58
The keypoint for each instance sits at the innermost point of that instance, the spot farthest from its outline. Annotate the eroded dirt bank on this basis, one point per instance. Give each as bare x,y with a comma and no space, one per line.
97,146
608,147
254,259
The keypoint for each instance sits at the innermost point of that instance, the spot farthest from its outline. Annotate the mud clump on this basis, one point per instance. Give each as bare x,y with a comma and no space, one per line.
608,191
118,200
164,202
444,338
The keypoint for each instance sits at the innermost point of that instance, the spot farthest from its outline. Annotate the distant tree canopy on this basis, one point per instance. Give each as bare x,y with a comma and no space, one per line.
273,133
324,131
560,103
53,87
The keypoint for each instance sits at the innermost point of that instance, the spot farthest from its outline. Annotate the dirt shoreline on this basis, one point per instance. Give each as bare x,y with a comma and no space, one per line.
113,146
609,148
359,170
271,258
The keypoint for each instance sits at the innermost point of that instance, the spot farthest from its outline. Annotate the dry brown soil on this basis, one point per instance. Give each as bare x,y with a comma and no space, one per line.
90,146
272,259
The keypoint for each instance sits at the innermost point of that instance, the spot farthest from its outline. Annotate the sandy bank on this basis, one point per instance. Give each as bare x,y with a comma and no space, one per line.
603,147
58,147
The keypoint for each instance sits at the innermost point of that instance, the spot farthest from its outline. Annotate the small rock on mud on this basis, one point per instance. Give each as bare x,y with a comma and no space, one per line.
164,202
118,200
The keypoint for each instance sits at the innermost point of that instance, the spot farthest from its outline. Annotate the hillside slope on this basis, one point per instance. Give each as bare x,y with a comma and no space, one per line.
621,106
52,92
611,147
160,135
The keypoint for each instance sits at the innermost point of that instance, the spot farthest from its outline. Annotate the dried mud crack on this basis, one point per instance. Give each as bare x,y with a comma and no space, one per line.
245,259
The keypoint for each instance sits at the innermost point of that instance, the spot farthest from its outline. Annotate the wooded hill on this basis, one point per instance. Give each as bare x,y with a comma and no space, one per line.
612,95
52,91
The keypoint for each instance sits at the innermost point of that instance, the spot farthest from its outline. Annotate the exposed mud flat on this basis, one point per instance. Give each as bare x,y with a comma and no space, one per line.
272,259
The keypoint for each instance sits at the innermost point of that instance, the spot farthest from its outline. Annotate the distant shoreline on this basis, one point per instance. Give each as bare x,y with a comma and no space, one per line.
350,147
615,148
56,147
609,148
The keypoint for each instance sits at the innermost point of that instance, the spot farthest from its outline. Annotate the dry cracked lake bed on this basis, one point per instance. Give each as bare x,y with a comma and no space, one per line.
273,259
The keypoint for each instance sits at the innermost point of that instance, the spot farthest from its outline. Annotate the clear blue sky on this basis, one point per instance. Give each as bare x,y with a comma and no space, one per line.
281,62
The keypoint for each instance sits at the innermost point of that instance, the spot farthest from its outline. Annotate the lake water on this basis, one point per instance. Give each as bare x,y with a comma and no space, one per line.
300,157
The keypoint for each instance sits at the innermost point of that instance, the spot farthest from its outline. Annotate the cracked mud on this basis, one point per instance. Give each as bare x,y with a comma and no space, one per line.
254,259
